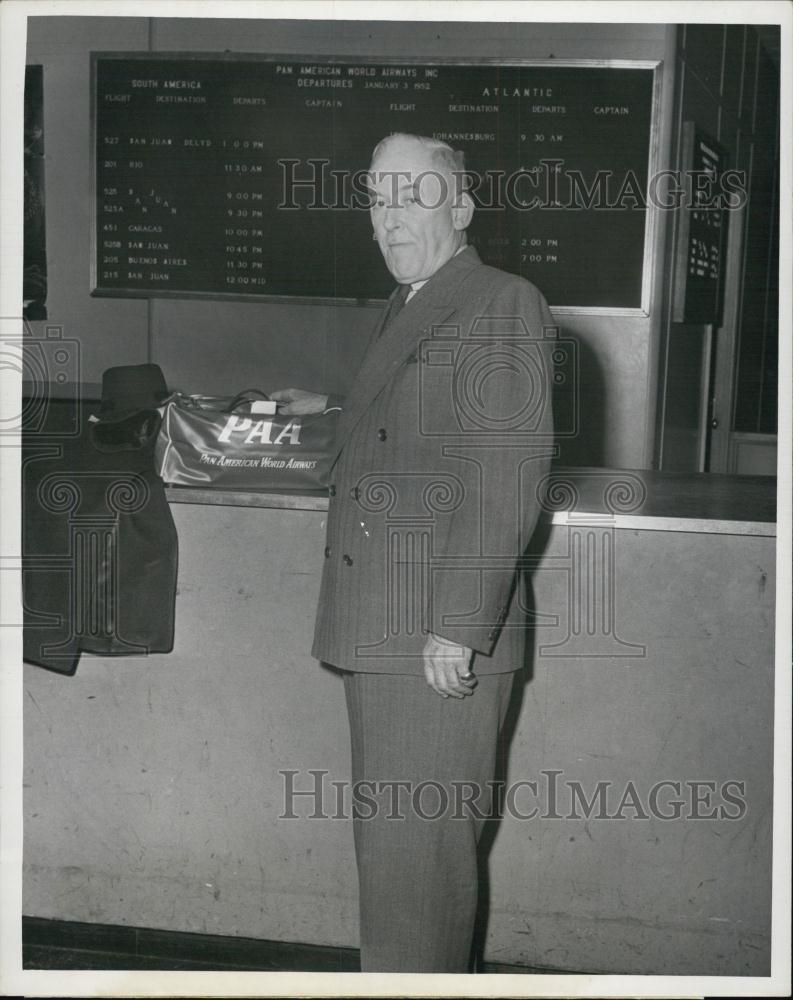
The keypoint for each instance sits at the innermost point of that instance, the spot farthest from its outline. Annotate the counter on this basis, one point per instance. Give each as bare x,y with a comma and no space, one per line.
651,501
155,786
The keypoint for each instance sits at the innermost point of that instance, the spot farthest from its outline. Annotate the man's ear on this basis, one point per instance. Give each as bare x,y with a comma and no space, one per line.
463,211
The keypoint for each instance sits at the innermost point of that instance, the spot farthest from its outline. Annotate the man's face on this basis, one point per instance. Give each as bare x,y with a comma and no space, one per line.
412,215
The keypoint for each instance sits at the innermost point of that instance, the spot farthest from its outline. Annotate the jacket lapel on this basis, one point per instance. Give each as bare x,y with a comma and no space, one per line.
388,349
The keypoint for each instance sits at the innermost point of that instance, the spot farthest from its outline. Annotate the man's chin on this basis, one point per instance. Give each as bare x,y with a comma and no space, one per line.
402,277
400,269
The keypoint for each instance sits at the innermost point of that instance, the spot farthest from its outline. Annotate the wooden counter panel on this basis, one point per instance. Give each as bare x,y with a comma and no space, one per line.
154,785
632,499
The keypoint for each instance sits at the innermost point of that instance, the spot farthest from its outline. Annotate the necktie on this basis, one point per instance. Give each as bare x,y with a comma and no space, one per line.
396,307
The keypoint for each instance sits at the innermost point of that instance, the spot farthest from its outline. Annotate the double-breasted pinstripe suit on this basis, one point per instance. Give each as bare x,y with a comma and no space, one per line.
445,436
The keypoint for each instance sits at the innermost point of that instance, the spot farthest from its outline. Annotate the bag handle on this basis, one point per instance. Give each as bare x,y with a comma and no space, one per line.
247,395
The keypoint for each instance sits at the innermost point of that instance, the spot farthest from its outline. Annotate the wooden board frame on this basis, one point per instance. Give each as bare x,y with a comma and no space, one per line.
652,222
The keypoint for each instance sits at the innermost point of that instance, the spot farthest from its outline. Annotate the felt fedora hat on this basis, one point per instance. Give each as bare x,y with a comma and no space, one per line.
131,389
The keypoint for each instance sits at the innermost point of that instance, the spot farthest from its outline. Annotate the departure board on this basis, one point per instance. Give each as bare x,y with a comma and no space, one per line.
246,175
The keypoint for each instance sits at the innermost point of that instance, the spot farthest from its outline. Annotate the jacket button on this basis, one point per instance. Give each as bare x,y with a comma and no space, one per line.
327,551
348,559
382,434
331,490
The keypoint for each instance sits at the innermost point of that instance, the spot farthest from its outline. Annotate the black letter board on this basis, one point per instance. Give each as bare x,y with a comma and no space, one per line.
241,176
702,229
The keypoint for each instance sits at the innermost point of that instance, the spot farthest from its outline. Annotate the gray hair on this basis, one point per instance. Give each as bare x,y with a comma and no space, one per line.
450,161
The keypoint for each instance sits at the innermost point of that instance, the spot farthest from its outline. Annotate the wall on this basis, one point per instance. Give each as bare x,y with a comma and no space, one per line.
221,346
153,789
727,84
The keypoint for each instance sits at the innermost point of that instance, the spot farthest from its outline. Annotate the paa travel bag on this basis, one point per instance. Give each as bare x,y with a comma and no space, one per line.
240,442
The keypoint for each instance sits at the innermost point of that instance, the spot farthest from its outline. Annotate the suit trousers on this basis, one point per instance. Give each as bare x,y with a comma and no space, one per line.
423,767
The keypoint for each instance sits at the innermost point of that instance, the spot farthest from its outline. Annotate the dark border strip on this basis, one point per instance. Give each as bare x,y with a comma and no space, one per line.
216,951
70,944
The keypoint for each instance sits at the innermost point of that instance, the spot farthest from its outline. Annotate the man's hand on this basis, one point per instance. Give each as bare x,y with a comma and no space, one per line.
298,402
445,663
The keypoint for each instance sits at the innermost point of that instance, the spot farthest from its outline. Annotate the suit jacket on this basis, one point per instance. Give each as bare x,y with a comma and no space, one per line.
446,434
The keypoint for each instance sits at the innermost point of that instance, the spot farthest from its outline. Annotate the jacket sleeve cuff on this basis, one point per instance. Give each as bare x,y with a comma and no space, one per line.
335,402
481,637
476,638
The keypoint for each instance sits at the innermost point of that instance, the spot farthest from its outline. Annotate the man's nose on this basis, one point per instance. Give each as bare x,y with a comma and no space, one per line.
391,217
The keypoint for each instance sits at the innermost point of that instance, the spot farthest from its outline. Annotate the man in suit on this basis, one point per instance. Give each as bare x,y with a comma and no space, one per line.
444,437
